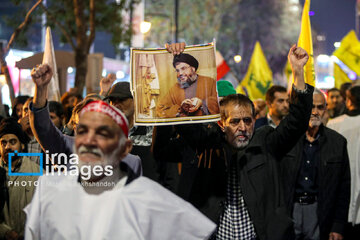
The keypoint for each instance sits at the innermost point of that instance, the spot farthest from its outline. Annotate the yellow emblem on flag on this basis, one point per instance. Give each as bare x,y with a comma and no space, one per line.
259,76
349,52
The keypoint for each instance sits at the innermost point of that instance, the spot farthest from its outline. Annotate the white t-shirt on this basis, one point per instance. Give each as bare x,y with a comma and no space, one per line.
61,209
349,127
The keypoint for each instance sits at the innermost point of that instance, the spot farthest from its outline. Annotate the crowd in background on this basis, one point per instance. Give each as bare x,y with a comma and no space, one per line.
317,168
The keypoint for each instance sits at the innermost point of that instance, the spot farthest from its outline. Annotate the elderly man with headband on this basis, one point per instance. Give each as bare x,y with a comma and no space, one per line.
111,203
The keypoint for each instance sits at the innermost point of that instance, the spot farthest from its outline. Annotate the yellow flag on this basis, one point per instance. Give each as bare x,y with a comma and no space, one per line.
340,76
305,41
349,52
258,78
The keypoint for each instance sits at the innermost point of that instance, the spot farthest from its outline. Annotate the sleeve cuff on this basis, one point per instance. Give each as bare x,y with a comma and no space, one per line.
34,109
301,91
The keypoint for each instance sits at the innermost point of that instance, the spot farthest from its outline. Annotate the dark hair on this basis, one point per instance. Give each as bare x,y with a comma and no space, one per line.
18,100
344,87
333,90
56,108
236,99
11,126
355,96
270,93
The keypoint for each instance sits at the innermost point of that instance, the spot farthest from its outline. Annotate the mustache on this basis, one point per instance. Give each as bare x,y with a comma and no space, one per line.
92,150
241,133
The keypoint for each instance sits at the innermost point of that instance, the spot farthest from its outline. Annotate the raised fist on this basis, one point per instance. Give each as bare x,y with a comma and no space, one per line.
41,75
298,57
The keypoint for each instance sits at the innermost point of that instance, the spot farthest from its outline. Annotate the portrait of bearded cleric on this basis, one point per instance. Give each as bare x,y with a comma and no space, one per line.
182,89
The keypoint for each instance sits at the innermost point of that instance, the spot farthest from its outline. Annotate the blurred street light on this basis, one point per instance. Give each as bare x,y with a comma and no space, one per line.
237,58
145,27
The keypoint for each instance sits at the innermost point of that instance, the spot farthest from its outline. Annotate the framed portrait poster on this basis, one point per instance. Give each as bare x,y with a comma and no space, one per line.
176,89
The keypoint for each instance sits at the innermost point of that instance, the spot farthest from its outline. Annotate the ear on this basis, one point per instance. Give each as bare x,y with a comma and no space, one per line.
127,148
221,125
268,104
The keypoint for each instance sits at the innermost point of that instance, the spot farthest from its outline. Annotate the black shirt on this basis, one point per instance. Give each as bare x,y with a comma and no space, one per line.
306,183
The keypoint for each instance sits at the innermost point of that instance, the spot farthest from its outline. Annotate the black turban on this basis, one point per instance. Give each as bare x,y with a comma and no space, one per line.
186,58
11,126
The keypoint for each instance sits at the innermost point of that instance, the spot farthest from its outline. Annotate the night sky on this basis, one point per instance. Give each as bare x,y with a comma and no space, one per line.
334,18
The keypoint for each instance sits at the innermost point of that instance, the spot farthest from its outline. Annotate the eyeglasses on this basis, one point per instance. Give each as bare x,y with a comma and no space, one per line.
11,141
181,69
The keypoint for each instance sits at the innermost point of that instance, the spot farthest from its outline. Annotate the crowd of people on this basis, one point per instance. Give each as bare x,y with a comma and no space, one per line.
287,167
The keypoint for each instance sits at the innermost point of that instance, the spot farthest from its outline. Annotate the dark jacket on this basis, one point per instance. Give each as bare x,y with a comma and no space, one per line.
261,122
3,188
205,160
333,180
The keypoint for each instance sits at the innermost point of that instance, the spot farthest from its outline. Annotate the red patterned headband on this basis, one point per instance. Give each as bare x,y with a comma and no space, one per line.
111,111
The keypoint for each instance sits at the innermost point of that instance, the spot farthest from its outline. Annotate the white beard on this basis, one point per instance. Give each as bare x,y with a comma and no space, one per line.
315,122
106,160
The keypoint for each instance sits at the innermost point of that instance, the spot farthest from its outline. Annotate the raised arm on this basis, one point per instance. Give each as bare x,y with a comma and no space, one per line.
46,133
290,129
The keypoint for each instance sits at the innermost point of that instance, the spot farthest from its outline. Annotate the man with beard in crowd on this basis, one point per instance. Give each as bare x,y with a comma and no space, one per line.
240,186
192,95
19,189
50,138
316,179
277,100
119,205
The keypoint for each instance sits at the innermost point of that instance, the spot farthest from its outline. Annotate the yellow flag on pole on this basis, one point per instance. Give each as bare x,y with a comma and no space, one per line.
349,52
305,41
259,76
340,76
49,58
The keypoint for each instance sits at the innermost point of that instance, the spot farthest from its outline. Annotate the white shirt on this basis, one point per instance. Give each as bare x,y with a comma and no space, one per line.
349,127
61,209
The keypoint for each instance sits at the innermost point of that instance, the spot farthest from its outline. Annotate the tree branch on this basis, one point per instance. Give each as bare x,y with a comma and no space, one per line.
20,27
92,25
62,28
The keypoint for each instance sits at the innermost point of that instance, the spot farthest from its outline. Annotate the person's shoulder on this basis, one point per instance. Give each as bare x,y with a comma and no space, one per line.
130,158
205,79
337,120
334,135
152,191
261,122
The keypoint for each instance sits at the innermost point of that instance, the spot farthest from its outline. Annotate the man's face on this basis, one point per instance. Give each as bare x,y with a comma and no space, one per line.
25,109
238,125
125,105
72,101
9,143
56,120
334,99
97,138
185,74
318,110
280,106
19,109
